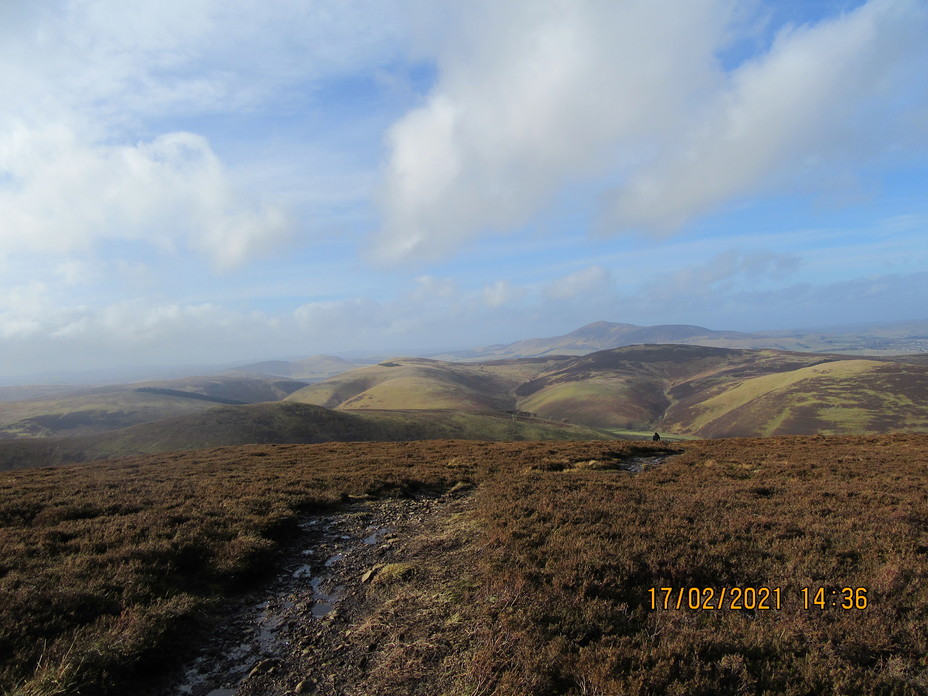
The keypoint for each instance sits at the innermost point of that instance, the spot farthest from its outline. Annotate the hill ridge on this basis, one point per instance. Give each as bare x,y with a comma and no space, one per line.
647,386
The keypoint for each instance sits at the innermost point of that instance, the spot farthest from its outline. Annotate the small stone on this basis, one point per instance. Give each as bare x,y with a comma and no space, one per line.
263,667
304,687
371,573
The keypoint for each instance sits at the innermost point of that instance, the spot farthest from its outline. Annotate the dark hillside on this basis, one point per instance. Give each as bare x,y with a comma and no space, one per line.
284,423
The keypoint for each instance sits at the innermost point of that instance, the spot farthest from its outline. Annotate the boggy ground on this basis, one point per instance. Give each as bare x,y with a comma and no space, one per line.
515,569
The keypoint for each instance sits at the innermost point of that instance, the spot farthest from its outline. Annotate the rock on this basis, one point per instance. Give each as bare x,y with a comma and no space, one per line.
304,687
369,575
263,667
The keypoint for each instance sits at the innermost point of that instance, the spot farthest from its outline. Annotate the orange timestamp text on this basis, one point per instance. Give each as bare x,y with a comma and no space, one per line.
754,598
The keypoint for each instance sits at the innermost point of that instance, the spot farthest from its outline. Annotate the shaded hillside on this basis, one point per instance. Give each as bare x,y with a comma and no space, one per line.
683,389
310,369
101,409
91,413
230,388
285,423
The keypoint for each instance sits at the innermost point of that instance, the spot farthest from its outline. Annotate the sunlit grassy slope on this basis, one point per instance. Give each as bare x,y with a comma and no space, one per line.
687,390
419,383
842,397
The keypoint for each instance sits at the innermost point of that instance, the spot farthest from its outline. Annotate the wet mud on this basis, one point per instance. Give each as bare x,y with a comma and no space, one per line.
294,634
289,636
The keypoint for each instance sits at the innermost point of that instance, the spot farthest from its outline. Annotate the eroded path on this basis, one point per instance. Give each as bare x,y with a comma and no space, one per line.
367,598
300,633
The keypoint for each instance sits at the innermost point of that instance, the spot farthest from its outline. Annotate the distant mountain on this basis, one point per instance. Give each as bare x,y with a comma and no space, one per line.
873,339
309,369
683,389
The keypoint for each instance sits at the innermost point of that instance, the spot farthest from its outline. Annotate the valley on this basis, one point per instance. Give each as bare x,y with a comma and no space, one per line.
680,391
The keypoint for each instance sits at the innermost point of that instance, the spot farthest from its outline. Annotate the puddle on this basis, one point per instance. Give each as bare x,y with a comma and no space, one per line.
375,537
325,601
332,560
304,571
322,608
222,692
639,464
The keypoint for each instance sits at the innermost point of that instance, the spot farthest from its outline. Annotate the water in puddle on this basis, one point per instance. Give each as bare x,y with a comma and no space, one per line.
638,464
324,601
373,538
321,608
222,692
332,560
304,571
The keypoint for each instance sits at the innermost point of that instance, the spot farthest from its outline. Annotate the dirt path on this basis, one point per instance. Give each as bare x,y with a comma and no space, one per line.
293,635
341,614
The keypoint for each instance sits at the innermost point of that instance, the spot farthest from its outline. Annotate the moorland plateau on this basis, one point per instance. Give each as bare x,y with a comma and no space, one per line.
535,570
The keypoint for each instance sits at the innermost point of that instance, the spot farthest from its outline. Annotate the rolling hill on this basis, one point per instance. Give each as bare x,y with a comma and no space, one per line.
683,389
285,423
311,369
97,410
889,339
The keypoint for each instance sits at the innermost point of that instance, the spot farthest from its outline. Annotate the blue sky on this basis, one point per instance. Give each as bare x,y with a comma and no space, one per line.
210,182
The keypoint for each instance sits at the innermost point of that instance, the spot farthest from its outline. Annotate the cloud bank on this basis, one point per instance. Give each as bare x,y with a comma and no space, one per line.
633,100
92,87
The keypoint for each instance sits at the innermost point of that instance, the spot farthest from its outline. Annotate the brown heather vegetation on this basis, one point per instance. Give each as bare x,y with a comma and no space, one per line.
540,587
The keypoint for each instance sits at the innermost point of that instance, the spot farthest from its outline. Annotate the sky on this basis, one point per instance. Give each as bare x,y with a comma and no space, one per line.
222,181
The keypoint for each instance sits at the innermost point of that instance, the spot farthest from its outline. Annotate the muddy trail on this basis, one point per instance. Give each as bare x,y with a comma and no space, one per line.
293,635
309,629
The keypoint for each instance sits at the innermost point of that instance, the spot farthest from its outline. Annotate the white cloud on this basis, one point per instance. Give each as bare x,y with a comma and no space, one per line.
172,192
501,293
589,283
120,61
823,100
698,287
84,157
534,96
530,95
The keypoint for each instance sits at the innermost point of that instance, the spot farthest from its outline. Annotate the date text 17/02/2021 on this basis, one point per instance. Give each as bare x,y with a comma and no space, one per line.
756,598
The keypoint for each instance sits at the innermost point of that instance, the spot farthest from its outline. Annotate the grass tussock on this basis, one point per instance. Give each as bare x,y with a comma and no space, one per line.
570,557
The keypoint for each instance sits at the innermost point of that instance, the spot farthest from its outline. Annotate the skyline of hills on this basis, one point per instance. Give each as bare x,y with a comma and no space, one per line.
686,390
895,338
